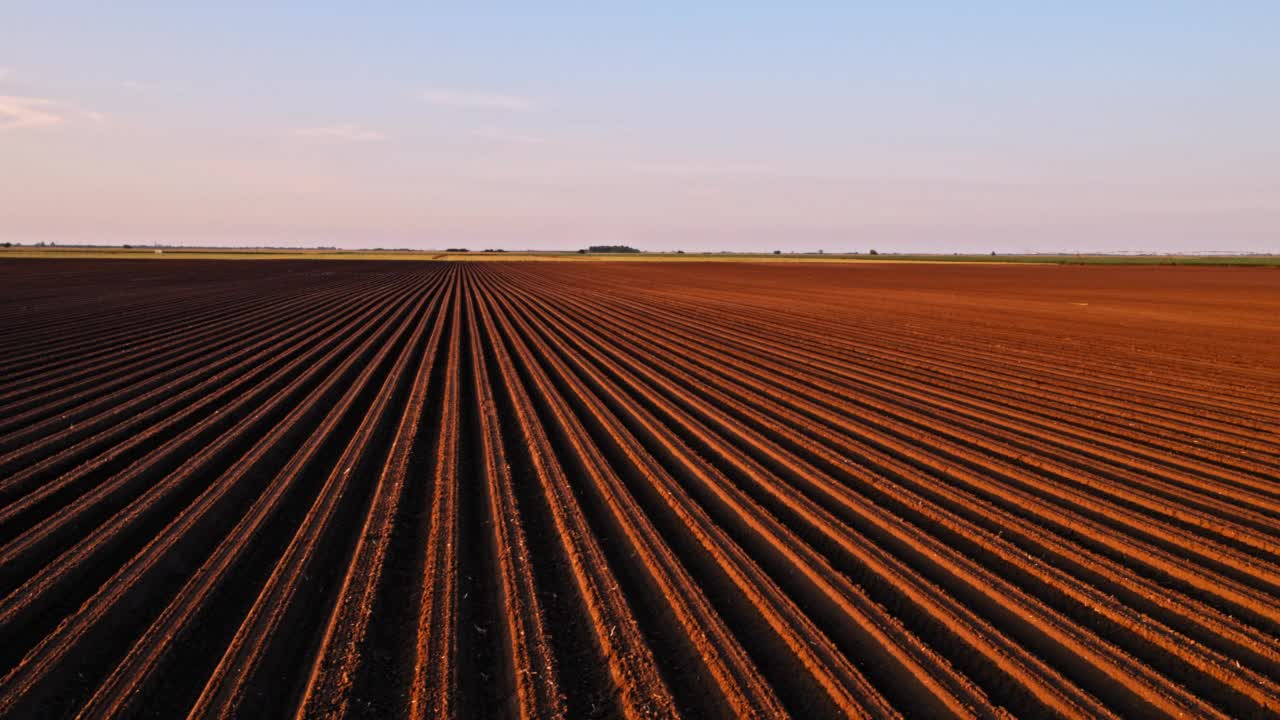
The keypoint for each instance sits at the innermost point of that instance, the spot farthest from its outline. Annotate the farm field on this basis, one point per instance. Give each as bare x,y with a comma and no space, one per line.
557,489
102,252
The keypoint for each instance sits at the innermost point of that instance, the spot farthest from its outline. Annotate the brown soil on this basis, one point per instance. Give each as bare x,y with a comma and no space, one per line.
380,489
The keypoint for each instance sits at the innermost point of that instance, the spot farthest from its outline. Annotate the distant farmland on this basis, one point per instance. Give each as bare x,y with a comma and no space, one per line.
231,253
600,489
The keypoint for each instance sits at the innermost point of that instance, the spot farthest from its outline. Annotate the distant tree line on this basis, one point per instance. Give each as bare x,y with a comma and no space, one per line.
610,249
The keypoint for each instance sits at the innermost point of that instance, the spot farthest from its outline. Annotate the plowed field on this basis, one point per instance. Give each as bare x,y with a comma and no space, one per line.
267,488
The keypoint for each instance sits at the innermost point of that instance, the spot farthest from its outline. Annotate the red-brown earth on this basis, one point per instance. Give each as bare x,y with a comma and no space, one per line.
639,490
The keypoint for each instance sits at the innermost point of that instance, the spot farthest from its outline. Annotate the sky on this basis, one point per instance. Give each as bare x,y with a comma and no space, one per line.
838,126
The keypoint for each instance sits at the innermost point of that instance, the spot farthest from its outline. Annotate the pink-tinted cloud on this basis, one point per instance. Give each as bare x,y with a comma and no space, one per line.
461,99
514,137
19,113
345,132
703,170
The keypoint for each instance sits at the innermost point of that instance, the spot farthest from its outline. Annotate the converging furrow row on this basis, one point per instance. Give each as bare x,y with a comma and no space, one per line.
414,489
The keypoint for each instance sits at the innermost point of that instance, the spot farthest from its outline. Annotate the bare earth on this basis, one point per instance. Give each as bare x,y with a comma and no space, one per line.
391,489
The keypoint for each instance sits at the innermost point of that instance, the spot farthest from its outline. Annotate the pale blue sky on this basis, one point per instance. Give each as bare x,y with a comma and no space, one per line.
843,126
